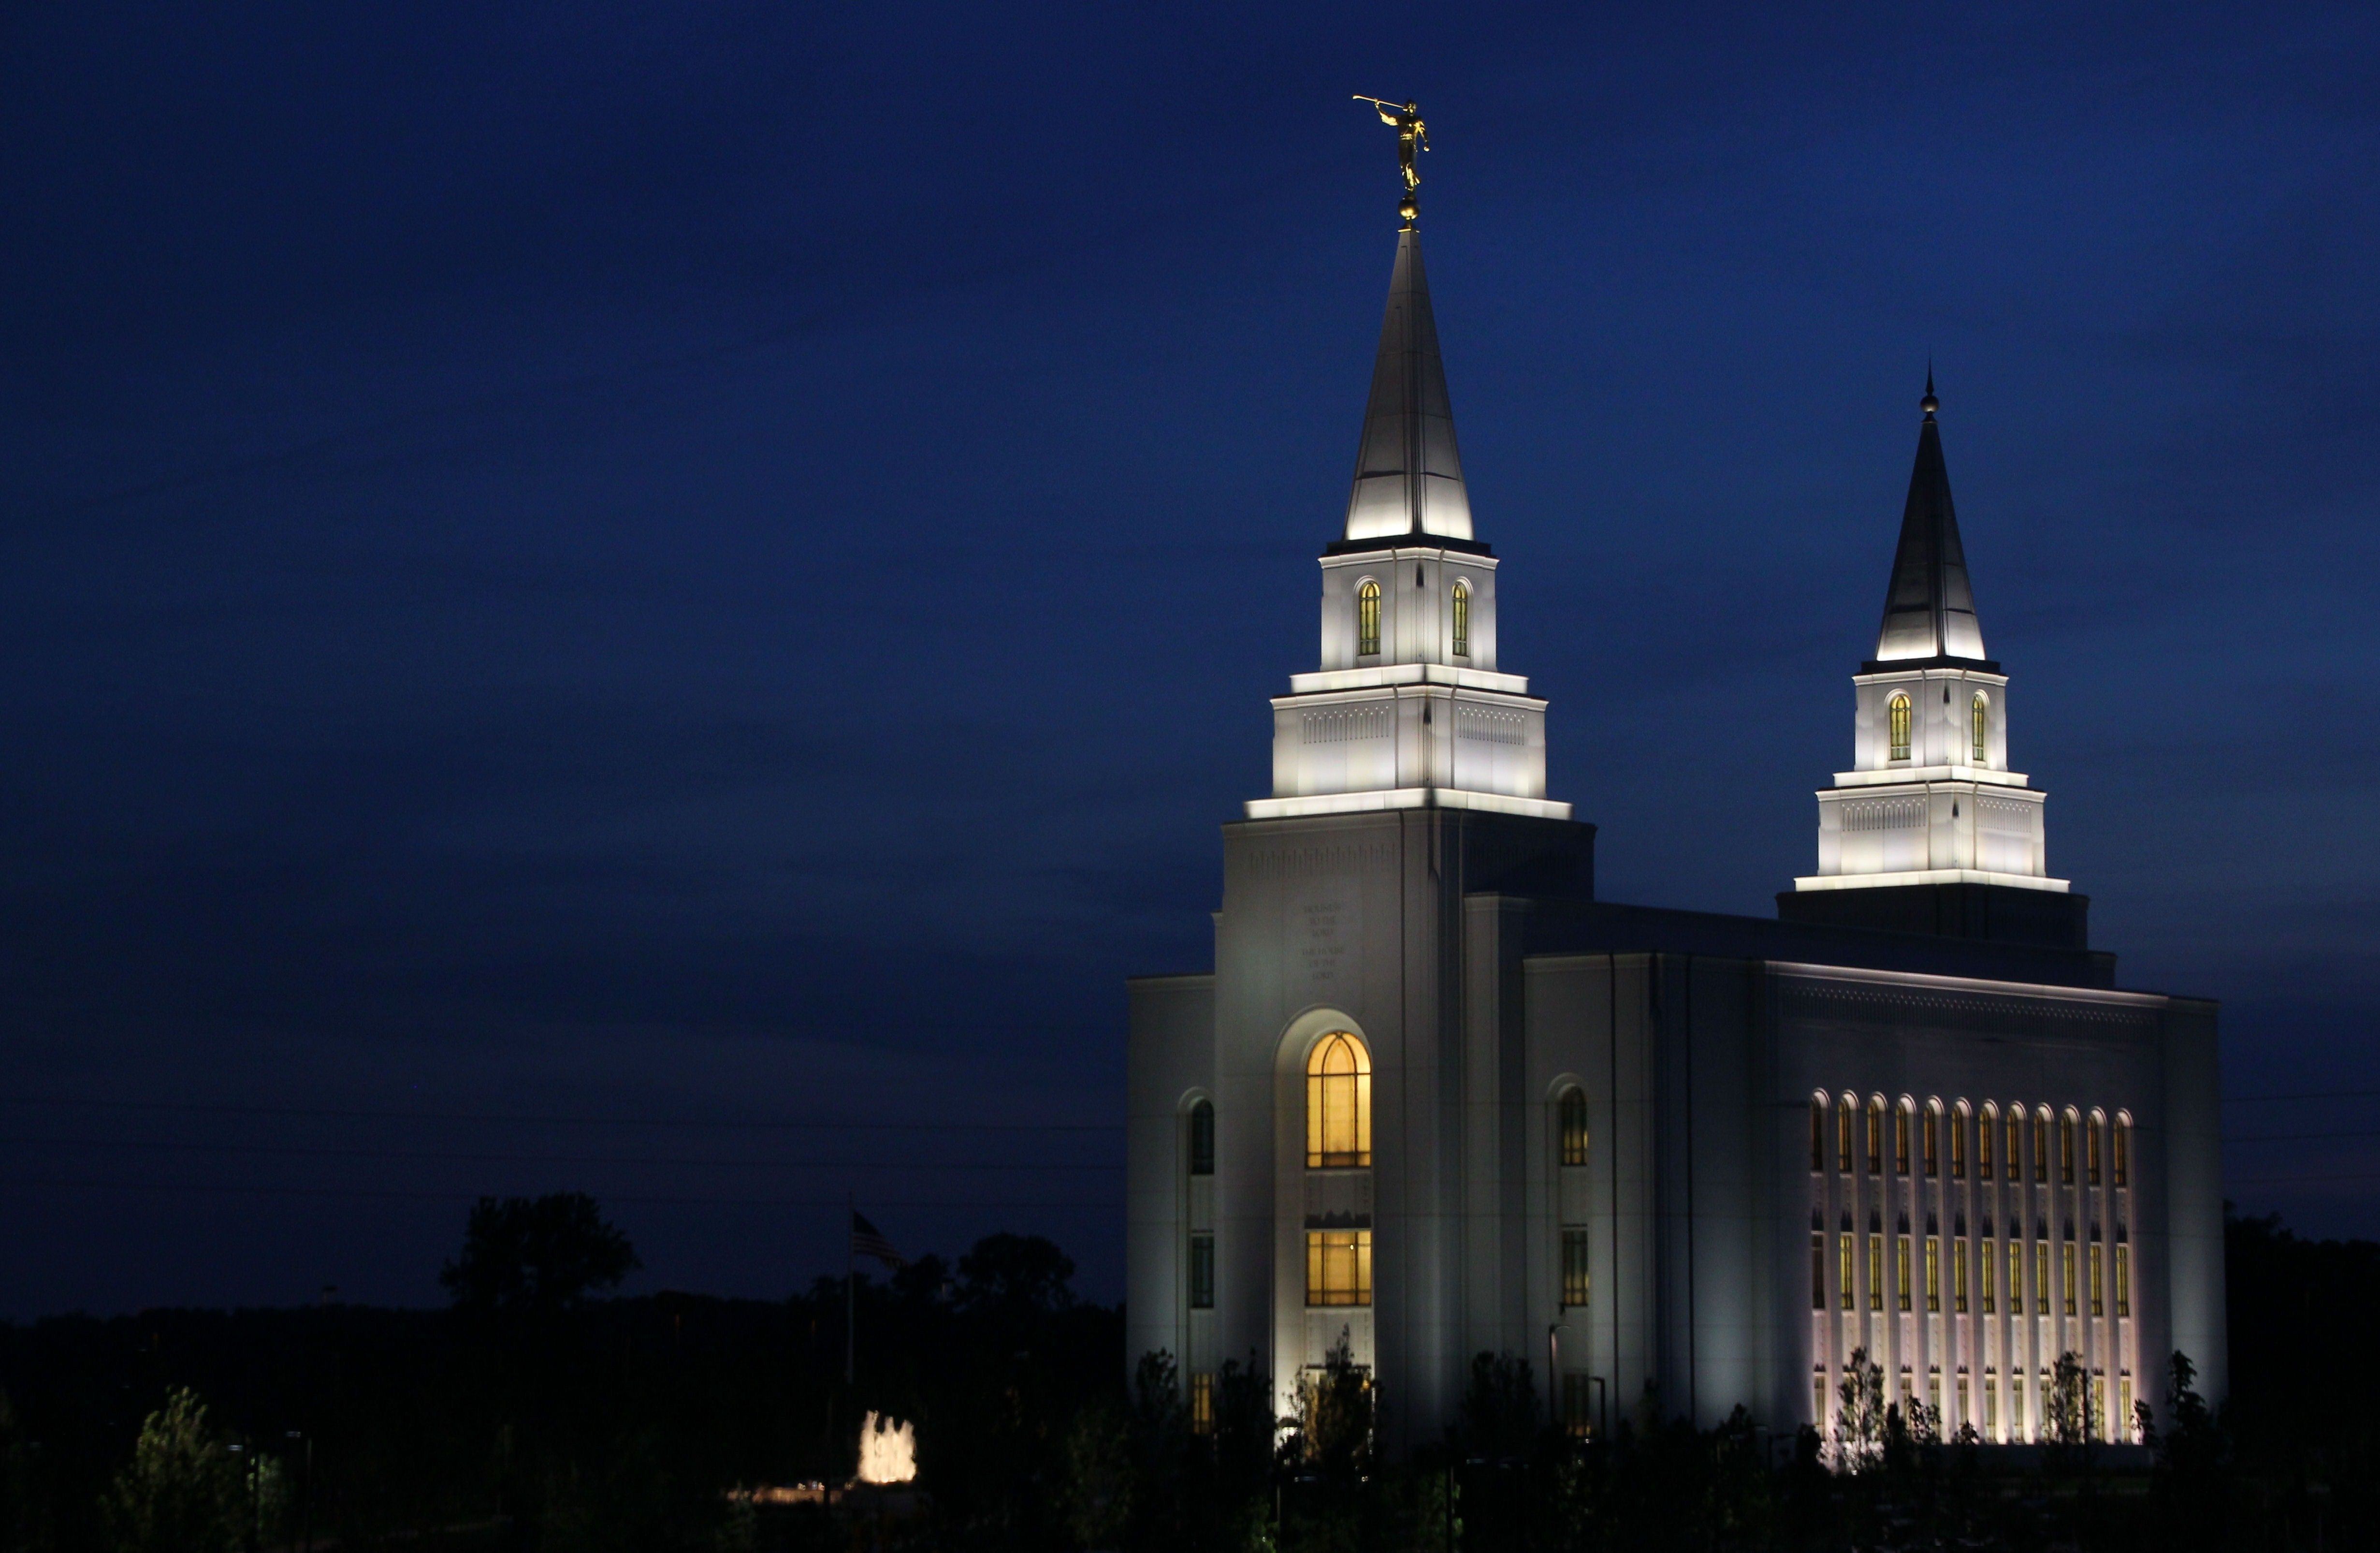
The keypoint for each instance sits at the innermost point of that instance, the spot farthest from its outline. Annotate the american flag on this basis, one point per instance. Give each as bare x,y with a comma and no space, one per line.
868,1241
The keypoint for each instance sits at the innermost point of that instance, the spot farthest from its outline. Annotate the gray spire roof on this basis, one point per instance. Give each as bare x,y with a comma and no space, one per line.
1930,609
1408,476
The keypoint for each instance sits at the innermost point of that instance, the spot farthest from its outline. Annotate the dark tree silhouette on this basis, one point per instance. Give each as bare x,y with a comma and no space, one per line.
537,1254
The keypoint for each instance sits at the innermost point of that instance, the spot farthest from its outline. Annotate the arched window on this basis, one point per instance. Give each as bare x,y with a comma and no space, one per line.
2091,1147
2041,1145
2123,1148
1983,1142
1572,1113
1843,1133
1897,715
1901,1139
1368,618
1933,1139
1979,716
1818,1134
1202,1138
2009,1169
1461,619
1338,1104
2066,1149
1958,1142
1876,1136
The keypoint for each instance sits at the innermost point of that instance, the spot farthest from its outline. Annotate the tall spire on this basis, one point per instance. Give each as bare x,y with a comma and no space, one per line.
1408,475
1930,610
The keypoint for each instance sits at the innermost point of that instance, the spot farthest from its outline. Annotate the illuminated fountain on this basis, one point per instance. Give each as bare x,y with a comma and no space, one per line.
888,1451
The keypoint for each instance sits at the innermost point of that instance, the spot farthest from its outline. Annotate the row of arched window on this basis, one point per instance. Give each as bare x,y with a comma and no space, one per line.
1897,720
1368,618
1997,1137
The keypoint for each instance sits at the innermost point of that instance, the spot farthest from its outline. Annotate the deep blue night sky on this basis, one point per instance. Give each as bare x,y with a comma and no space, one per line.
721,565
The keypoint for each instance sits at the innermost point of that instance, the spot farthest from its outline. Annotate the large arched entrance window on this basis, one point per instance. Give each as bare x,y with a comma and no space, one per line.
1338,1104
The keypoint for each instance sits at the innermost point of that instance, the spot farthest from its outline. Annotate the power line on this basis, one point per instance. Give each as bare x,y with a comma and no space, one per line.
435,1157
2310,1095
523,1119
229,1189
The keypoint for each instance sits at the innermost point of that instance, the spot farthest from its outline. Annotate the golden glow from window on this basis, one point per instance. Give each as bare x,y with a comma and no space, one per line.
1367,620
1978,717
1573,1269
1572,1114
1901,1140
1338,1106
1933,1141
1338,1267
1202,1403
1897,713
1461,621
1958,1142
1984,1144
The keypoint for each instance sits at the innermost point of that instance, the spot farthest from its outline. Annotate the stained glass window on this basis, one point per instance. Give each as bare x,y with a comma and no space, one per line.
1338,1104
1461,621
1574,1127
1979,720
1367,620
1897,713
1338,1267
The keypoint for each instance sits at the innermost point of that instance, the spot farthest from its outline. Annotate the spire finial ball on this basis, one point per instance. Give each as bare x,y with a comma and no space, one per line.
1929,403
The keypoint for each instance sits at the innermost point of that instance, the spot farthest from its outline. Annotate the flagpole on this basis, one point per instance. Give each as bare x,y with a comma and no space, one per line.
850,1284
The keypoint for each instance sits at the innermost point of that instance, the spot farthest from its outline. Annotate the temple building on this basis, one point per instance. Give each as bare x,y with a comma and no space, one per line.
1435,1099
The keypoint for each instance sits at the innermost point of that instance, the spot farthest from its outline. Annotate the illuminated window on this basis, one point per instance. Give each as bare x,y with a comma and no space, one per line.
1818,1398
2066,1149
1934,1274
1338,1104
1573,1403
1959,1276
1338,1267
2123,1148
2123,1279
2009,1167
2098,1284
2091,1147
2067,1266
1897,713
1574,1276
1984,1143
2124,1424
1991,1402
1461,621
1572,1113
2041,1145
1984,1268
1933,1141
1202,1272
1874,1271
2041,1277
1876,1136
2016,1277
1901,1140
1817,1269
1843,1134
1958,1142
1817,1135
1978,720
1202,1139
1844,1270
1367,620
1202,1403
1961,1416
1900,1268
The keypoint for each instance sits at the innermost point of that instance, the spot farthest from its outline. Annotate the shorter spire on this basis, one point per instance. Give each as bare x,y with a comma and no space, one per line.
1929,610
